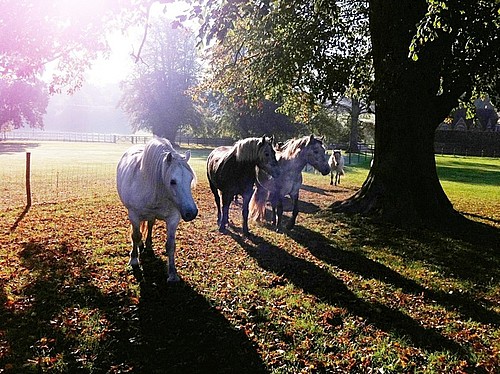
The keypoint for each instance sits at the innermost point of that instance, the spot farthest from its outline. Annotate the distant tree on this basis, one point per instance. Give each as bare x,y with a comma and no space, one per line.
156,95
265,119
22,102
326,122
69,35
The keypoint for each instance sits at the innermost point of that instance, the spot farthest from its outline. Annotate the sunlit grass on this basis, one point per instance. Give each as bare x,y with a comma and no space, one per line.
337,294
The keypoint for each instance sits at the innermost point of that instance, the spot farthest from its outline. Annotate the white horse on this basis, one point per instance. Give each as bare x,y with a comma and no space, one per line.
154,182
292,156
336,162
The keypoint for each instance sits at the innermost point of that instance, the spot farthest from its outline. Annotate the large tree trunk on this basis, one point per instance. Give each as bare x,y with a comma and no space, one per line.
354,133
403,186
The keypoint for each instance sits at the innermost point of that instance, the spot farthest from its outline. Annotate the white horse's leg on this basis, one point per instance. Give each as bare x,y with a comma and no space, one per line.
295,212
331,177
149,236
279,213
136,244
170,249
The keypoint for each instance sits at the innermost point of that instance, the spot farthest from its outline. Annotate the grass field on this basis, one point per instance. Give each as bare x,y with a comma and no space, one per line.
338,294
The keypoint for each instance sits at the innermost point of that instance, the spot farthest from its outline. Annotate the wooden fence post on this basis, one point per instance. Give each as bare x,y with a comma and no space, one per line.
28,179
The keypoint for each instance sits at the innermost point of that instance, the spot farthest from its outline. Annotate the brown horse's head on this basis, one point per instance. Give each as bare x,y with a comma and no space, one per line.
267,157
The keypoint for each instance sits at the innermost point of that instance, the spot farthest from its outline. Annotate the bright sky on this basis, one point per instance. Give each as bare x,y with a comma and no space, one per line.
120,63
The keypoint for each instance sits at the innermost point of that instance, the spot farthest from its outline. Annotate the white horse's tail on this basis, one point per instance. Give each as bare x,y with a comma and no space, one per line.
257,207
340,165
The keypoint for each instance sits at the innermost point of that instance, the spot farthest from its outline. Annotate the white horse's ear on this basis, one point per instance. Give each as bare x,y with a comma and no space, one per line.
169,157
187,155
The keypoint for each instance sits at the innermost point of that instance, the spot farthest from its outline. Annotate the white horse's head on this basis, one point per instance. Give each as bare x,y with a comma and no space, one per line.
178,178
315,154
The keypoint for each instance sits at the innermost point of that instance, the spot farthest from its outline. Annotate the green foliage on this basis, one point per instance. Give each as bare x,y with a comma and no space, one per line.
295,53
468,32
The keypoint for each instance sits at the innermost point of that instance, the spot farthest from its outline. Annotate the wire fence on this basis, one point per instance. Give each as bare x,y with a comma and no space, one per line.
55,184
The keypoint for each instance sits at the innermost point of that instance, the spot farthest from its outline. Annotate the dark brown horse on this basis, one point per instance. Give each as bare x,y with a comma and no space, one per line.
231,170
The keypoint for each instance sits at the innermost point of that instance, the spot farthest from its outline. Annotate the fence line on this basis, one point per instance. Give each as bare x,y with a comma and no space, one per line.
107,138
56,184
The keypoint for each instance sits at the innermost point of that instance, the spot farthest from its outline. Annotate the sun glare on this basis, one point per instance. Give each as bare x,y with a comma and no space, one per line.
120,63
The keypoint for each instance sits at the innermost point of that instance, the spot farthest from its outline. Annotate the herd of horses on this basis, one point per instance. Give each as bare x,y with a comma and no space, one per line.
154,182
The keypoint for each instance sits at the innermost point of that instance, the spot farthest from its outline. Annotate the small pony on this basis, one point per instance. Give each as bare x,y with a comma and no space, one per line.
293,156
231,170
154,182
336,162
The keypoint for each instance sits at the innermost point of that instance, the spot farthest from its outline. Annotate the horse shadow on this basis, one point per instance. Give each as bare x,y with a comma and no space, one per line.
171,328
314,189
180,331
35,327
316,281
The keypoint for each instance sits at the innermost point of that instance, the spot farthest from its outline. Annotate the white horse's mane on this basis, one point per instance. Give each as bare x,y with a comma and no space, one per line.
292,146
153,161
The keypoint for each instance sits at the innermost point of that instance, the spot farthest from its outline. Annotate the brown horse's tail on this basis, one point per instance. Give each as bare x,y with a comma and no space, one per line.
257,205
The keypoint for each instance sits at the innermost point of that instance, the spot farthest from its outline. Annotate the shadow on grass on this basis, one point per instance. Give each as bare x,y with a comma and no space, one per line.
63,322
469,175
20,218
320,283
16,147
181,332
326,251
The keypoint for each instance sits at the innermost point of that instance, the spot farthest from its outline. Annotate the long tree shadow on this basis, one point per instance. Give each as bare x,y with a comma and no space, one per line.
180,332
319,282
16,147
326,251
475,257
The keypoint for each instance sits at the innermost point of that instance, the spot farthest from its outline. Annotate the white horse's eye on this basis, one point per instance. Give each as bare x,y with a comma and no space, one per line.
173,182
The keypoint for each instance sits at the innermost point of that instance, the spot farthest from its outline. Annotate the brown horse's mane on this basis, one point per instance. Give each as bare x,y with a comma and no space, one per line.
245,150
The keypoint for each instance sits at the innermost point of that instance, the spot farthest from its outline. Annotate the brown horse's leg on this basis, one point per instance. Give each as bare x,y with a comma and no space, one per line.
226,201
215,191
246,201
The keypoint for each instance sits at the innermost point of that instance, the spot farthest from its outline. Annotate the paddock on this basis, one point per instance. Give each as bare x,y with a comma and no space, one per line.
336,294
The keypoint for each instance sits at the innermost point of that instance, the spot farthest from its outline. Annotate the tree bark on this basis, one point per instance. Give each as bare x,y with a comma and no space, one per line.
403,186
354,133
